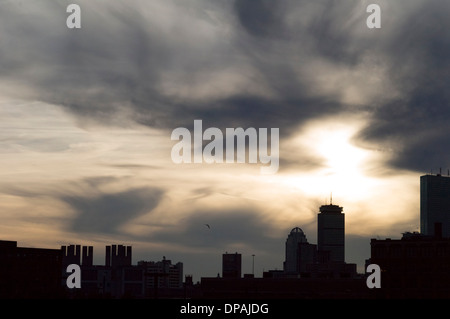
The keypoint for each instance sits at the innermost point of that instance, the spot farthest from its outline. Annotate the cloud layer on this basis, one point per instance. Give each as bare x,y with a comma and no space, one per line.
239,64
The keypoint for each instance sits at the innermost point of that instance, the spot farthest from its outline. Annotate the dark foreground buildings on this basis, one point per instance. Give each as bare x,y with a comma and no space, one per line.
309,270
327,258
39,273
119,278
415,266
418,264
29,272
280,284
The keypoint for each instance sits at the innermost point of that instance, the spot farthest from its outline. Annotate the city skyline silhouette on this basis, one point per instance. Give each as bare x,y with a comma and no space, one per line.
87,115
304,262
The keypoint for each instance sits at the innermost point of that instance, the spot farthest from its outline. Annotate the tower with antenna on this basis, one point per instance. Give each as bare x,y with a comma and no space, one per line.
331,233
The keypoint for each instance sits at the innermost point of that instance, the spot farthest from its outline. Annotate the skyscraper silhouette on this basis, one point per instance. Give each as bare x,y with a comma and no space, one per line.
299,253
331,233
435,205
295,237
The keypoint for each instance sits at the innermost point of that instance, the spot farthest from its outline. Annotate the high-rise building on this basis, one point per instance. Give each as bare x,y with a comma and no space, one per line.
435,205
299,252
231,265
331,234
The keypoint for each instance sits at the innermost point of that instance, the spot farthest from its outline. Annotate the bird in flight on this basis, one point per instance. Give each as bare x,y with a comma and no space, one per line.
207,225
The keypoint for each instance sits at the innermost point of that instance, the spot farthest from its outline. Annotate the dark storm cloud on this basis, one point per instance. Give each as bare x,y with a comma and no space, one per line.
227,228
113,69
262,18
105,213
97,209
416,125
116,62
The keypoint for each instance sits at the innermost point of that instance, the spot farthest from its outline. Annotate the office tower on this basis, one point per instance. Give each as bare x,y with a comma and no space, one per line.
299,252
435,205
331,233
231,265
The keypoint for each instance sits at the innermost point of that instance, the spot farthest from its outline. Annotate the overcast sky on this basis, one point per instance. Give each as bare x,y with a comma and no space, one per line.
87,116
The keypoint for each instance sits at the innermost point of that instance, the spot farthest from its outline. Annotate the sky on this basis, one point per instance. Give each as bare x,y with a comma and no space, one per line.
86,117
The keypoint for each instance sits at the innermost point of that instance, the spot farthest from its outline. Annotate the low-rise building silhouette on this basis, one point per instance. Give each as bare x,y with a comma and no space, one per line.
415,266
162,277
27,272
119,278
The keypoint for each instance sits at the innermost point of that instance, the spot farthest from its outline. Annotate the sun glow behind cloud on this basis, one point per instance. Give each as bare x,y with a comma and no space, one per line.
342,166
353,176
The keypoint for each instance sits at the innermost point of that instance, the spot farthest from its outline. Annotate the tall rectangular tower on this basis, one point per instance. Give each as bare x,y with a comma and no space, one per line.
331,233
435,205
